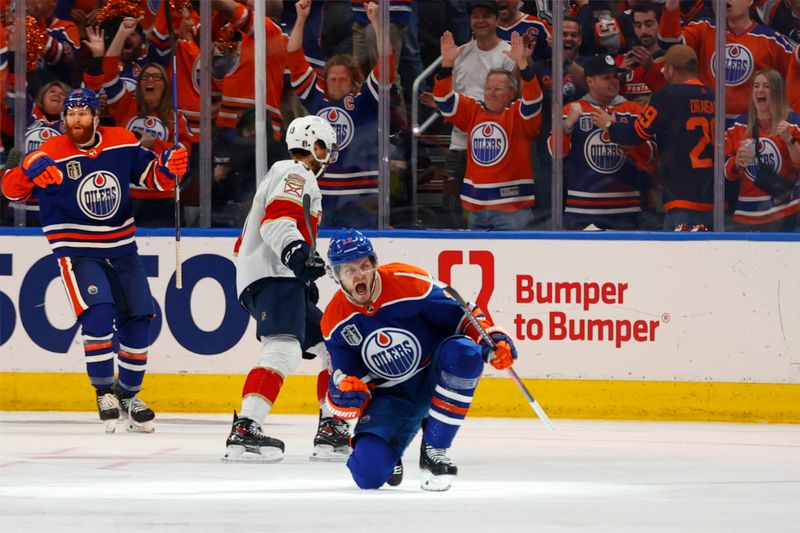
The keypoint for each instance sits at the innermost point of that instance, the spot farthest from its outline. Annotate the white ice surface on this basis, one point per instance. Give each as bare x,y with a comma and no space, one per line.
60,472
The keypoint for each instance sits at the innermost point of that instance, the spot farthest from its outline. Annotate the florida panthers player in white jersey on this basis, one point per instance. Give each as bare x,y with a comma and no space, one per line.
275,273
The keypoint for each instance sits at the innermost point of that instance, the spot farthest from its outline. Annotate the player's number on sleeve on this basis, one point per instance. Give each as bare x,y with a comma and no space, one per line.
705,126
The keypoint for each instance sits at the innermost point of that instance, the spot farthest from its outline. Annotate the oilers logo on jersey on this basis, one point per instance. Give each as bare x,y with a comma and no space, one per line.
391,353
602,155
149,125
37,135
489,143
739,64
769,156
342,124
99,195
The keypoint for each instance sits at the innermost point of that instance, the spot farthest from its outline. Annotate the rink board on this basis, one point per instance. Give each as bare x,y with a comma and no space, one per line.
640,326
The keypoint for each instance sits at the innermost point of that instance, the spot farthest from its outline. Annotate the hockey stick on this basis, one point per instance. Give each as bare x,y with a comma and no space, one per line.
174,44
307,216
488,340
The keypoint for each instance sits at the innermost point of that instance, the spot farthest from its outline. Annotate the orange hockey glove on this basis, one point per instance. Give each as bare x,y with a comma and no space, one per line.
504,352
348,398
41,169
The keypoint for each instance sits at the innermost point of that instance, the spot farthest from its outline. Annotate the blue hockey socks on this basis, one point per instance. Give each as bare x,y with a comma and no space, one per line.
459,365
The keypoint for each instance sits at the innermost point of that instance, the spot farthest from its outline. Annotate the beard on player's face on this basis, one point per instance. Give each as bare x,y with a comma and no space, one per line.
80,131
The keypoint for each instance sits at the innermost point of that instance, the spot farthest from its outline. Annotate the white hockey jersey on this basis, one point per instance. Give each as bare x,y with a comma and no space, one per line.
275,220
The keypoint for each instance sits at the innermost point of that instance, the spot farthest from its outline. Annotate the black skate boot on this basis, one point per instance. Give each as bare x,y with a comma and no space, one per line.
397,475
332,442
108,407
437,469
138,417
247,443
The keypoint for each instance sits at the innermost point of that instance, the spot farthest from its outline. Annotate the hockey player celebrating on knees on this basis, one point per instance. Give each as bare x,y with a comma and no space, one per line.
276,267
404,356
81,180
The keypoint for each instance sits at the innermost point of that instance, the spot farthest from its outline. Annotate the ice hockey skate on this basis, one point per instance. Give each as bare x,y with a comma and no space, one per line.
332,442
437,470
108,407
247,444
397,475
137,416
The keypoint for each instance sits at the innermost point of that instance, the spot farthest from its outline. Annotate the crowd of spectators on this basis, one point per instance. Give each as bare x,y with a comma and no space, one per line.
490,157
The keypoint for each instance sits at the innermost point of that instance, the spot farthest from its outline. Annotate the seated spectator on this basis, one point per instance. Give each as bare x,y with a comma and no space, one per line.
350,183
762,153
603,180
498,189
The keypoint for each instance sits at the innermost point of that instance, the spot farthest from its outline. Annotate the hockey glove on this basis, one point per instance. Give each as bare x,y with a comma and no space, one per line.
41,169
174,161
504,352
348,398
295,257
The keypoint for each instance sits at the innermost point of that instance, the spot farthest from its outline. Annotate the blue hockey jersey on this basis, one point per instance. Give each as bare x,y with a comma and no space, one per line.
90,212
390,340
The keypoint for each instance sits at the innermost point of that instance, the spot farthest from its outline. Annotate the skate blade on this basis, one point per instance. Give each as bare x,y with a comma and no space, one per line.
134,427
110,425
433,483
329,454
239,454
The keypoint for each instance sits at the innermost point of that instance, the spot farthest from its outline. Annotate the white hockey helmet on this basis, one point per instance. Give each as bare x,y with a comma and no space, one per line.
305,131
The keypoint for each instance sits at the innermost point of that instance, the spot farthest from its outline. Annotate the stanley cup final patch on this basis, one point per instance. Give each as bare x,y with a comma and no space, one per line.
351,335
74,170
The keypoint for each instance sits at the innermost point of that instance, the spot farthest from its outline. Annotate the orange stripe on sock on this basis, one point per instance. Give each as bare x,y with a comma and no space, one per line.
98,345
134,356
450,407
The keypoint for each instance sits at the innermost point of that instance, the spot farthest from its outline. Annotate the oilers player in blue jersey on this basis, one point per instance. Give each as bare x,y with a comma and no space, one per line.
404,356
81,180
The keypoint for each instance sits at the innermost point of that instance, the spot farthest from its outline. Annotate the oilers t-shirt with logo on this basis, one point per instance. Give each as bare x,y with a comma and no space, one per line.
392,339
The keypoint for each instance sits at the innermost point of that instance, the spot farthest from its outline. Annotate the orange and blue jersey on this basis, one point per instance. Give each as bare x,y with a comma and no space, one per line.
499,174
748,51
89,213
187,60
754,206
354,118
534,32
680,120
604,179
238,89
390,340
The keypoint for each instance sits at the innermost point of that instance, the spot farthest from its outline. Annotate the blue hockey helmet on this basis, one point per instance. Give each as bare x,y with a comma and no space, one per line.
349,245
80,98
